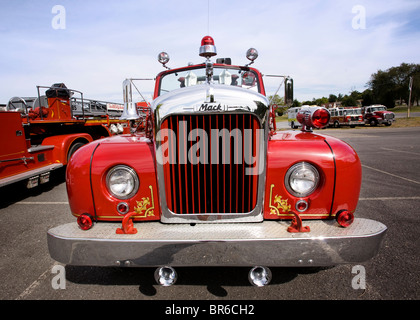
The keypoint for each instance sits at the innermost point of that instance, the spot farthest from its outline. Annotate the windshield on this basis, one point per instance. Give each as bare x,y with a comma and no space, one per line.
354,111
378,109
221,75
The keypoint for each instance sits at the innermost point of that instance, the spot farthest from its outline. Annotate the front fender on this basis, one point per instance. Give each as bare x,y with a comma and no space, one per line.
62,144
86,178
338,165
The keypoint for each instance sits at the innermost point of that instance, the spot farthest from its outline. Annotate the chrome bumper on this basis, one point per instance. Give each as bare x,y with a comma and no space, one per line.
243,244
382,121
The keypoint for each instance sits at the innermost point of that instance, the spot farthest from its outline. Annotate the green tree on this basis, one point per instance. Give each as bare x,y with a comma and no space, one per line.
392,85
321,101
349,101
276,100
295,104
367,97
332,98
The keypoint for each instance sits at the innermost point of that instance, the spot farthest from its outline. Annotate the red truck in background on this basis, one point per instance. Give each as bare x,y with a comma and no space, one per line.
40,134
377,114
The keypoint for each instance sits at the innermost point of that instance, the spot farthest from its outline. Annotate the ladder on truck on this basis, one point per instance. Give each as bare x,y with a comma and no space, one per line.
94,108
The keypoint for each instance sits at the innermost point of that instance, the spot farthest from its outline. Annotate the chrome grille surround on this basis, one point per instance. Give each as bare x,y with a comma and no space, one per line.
187,102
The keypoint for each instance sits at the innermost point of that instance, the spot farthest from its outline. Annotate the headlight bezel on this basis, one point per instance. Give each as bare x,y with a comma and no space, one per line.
133,176
303,165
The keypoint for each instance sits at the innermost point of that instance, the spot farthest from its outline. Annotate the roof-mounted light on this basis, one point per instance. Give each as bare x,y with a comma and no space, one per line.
163,58
252,54
207,48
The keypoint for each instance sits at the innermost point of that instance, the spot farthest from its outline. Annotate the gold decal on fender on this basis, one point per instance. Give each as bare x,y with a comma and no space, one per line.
145,207
282,204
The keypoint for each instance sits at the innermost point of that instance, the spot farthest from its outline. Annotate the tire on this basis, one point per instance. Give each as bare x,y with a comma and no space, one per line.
73,149
373,123
336,124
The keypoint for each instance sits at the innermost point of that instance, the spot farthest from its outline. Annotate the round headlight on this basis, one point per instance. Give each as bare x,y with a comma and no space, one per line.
301,179
122,182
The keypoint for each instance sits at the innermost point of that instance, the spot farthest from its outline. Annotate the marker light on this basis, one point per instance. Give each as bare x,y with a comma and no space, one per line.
122,208
85,221
301,205
345,218
207,48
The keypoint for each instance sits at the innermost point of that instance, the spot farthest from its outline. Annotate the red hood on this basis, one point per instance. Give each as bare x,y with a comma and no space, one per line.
382,112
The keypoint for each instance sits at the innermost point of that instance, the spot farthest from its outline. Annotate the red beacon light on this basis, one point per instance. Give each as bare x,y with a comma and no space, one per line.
313,116
207,48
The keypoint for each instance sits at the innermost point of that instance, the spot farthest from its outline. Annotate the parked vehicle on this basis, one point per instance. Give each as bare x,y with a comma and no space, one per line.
209,182
378,114
346,116
291,117
40,134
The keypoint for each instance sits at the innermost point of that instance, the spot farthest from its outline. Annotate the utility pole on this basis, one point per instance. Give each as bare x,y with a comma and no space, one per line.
410,87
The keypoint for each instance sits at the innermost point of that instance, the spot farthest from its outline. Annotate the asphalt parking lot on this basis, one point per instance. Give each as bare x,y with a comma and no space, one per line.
390,193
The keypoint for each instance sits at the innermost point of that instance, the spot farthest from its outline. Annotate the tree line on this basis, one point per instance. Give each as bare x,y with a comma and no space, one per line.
389,87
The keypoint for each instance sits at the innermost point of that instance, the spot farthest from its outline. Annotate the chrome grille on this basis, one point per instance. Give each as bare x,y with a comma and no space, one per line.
221,181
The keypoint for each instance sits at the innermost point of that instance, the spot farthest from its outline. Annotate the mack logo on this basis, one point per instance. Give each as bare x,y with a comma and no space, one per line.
210,107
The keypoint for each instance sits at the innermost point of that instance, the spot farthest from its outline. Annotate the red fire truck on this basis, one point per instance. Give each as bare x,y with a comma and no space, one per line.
378,114
209,182
40,134
346,116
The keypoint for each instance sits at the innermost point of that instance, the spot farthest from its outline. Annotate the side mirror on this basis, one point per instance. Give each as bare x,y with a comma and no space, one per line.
288,91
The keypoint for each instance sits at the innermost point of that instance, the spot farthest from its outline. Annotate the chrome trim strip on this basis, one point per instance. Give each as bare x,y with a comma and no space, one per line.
267,243
29,174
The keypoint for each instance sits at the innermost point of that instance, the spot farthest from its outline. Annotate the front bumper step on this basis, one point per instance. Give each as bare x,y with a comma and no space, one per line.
238,244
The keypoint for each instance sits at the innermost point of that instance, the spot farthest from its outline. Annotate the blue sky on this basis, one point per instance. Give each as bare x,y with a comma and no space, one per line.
104,42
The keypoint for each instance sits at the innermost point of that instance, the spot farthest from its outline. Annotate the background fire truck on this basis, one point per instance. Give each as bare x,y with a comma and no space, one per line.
40,134
350,116
377,114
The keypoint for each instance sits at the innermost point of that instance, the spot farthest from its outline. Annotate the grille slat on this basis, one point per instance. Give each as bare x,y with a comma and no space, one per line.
211,173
